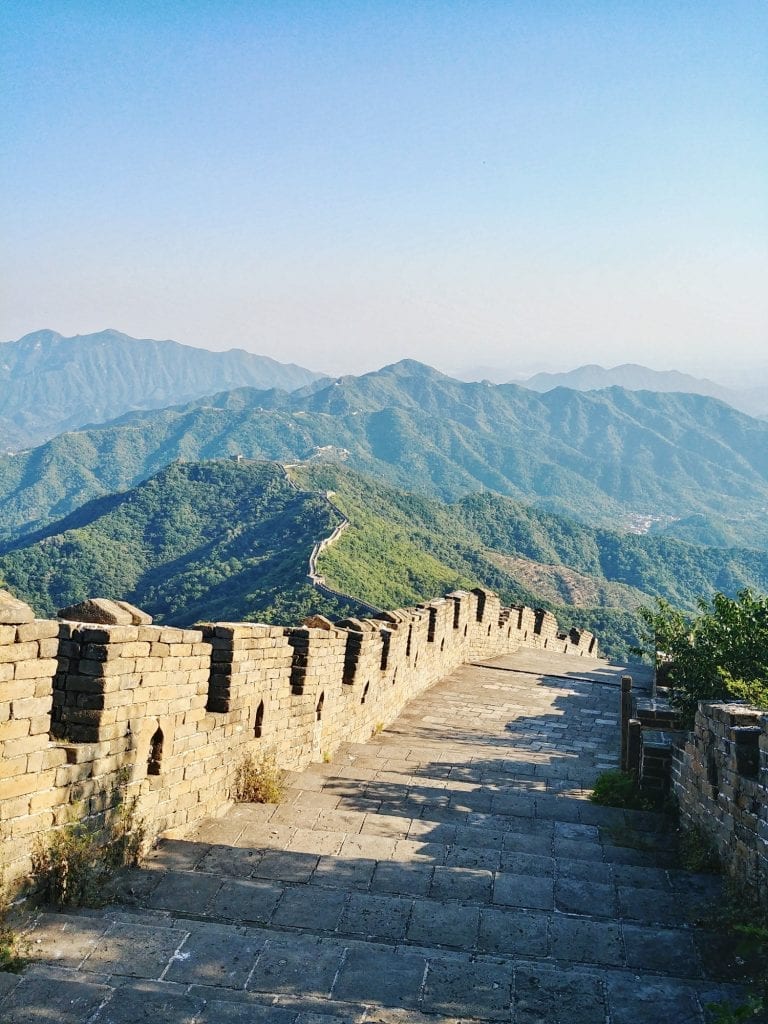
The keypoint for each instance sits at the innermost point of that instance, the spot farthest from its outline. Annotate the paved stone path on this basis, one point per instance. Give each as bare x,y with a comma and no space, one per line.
451,869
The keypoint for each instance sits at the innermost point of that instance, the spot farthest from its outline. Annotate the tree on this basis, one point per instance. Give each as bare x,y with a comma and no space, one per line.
719,654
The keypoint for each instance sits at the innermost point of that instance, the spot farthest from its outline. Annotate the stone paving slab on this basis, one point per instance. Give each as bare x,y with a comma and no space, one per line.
450,869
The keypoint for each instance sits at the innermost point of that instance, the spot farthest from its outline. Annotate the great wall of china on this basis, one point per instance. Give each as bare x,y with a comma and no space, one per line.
96,711
165,714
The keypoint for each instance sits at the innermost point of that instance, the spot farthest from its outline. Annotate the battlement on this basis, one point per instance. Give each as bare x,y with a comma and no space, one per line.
167,713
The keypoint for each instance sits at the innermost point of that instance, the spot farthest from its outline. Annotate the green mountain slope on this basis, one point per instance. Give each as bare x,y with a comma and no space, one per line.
471,533
596,456
200,541
49,383
228,540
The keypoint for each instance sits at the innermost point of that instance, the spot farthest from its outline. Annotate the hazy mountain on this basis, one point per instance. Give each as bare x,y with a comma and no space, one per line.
49,383
595,455
633,377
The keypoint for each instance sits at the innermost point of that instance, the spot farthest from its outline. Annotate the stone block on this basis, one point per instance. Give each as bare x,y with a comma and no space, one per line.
98,609
13,729
23,785
35,669
317,622
49,647
12,611
39,629
41,821
11,767
19,652
7,635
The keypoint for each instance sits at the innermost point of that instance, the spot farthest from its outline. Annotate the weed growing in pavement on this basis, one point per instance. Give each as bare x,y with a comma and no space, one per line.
75,865
259,780
617,789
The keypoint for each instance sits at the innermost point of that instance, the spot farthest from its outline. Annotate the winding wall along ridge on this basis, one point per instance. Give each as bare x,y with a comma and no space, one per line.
317,579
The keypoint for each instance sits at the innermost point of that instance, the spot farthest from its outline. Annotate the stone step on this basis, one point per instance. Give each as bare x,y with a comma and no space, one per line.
570,918
203,972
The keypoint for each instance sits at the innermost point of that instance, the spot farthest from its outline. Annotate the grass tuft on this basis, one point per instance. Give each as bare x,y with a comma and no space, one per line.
259,780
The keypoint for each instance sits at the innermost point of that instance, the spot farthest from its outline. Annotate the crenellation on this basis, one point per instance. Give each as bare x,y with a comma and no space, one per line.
165,713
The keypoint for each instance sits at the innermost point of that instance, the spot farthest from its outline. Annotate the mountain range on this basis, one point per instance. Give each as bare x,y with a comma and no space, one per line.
632,377
604,457
49,383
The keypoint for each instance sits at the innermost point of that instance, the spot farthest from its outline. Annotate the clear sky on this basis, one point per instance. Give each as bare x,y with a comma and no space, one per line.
518,184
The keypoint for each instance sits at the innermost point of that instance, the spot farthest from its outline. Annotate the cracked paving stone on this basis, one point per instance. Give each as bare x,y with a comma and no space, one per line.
134,950
544,995
43,999
582,940
632,999
246,901
471,989
668,951
443,924
336,872
402,879
514,932
150,1001
315,908
64,939
185,892
216,957
289,963
531,892
575,896
381,918
461,884
376,975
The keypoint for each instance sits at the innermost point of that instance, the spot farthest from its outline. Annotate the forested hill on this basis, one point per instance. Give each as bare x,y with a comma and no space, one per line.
599,456
489,523
49,383
228,540
216,540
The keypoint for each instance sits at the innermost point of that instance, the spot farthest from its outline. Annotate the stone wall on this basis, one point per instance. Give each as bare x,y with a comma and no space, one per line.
164,715
720,778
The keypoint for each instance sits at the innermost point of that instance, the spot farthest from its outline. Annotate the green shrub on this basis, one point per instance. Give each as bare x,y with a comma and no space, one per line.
617,789
748,929
12,947
719,654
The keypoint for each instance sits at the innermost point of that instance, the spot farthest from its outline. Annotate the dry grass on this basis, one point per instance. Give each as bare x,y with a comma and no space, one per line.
259,780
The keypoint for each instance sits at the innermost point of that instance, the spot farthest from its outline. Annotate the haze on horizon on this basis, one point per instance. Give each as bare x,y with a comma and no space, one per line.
517,186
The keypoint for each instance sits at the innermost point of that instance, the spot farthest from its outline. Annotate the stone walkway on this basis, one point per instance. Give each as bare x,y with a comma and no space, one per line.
451,869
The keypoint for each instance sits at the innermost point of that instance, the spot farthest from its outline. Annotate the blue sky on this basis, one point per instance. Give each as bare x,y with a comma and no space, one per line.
491,184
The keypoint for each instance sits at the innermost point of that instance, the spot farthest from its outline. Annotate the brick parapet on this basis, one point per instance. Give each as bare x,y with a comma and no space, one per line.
165,714
720,779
